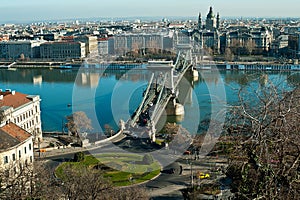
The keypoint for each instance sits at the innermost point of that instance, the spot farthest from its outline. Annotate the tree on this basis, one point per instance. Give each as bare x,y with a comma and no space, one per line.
250,46
228,55
78,123
78,157
28,182
22,56
236,46
84,183
77,183
265,162
177,137
108,130
1,116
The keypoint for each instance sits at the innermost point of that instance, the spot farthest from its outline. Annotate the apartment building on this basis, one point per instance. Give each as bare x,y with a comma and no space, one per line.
19,49
62,50
22,110
16,149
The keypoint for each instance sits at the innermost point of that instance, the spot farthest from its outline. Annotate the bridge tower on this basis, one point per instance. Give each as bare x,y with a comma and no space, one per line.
186,51
166,75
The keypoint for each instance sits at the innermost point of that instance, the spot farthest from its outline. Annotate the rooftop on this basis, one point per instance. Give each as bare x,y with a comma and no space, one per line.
13,99
11,135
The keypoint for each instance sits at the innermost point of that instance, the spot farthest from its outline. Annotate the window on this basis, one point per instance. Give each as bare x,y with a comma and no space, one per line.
5,159
29,147
31,159
20,154
25,150
14,157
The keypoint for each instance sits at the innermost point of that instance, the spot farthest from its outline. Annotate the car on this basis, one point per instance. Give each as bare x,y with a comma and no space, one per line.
202,175
187,152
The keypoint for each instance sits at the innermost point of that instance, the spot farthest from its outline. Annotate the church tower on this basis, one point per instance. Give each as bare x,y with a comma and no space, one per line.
211,23
199,22
218,21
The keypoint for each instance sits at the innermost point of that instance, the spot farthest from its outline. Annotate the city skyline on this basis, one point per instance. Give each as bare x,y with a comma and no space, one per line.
34,10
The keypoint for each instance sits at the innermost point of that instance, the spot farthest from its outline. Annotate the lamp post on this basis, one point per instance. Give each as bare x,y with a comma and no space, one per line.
192,176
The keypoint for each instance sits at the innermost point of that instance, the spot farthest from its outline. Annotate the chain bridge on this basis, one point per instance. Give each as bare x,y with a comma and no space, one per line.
160,96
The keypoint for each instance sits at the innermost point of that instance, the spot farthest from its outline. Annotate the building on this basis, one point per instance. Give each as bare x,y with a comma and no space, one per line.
245,40
23,110
91,44
207,37
16,149
63,50
280,45
103,46
294,45
124,43
207,40
12,50
211,22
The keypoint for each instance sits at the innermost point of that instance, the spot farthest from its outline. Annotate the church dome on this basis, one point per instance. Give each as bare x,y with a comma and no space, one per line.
210,15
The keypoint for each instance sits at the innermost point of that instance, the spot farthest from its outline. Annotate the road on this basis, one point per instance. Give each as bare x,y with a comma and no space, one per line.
165,187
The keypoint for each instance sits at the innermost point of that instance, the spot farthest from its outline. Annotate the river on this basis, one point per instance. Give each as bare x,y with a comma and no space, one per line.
108,96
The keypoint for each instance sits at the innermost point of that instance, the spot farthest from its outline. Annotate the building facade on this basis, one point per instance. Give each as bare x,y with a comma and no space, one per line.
23,110
91,44
207,37
103,46
16,149
245,40
63,50
19,49
294,45
124,43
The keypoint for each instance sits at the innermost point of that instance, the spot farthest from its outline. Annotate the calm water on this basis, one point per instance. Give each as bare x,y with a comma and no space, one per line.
108,96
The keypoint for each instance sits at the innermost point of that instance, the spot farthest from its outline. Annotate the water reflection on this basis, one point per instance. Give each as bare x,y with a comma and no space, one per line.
38,80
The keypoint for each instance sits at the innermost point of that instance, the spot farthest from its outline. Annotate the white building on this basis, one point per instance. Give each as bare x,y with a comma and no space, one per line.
103,46
23,110
16,149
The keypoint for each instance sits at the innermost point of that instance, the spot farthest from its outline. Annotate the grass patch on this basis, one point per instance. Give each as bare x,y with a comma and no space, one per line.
122,169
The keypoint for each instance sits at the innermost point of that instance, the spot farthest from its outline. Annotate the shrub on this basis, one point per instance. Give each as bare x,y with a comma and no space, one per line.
78,157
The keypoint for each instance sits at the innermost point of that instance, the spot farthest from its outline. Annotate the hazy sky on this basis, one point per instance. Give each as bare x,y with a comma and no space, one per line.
32,10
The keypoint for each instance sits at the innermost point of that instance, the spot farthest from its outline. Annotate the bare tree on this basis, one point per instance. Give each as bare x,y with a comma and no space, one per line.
22,57
38,182
228,55
78,123
84,183
249,46
265,163
28,182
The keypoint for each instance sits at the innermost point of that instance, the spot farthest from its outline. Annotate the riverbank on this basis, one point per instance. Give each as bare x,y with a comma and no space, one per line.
204,65
260,66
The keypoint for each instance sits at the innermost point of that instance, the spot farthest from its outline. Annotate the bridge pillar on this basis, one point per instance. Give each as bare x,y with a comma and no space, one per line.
194,73
174,108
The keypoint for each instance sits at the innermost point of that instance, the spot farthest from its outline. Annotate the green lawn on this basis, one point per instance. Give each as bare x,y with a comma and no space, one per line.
122,169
